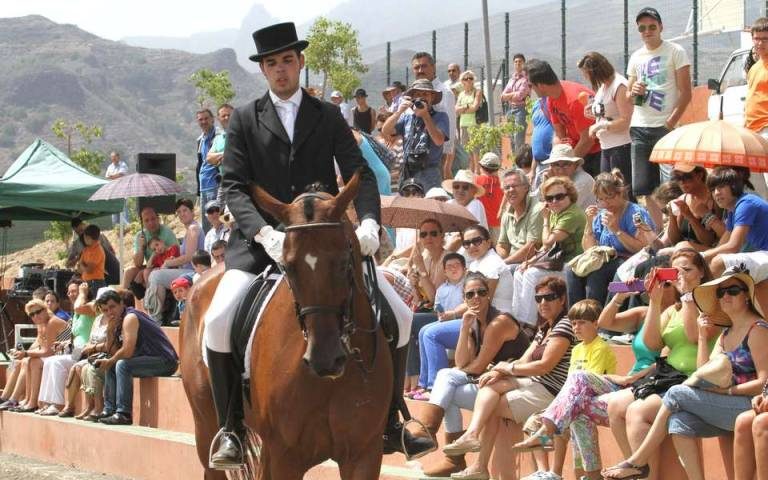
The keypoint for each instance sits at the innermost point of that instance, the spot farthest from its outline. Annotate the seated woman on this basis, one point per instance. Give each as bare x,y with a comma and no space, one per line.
674,328
563,225
439,333
751,440
53,303
610,223
50,329
425,274
56,368
516,390
694,218
687,412
476,241
486,336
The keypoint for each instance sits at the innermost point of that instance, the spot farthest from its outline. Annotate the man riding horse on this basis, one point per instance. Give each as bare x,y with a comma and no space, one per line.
283,142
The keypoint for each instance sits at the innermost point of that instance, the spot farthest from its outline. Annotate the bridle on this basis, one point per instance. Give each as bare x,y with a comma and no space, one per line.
344,311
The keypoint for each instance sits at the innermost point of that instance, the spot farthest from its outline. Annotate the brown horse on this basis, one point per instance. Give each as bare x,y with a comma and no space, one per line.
321,375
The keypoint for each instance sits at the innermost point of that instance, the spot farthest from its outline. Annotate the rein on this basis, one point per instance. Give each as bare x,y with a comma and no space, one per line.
344,312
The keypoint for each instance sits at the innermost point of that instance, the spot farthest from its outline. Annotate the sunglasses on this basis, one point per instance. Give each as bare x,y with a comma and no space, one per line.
683,177
733,290
547,296
462,186
555,198
480,292
650,28
473,241
468,79
431,233
35,313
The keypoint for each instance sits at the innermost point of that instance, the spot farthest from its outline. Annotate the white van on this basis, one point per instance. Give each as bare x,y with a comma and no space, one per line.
730,90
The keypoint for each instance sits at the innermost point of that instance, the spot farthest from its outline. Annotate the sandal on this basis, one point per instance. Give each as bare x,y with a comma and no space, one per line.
460,447
91,418
50,411
535,442
412,393
8,405
422,396
467,475
23,409
613,472
66,414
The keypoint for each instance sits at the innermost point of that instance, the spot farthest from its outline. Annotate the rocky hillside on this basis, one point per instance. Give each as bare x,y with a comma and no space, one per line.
140,96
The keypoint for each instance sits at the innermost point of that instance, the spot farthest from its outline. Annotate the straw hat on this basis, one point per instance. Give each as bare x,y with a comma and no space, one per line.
464,176
562,152
705,295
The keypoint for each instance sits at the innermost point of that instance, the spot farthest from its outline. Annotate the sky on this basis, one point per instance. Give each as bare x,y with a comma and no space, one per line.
116,19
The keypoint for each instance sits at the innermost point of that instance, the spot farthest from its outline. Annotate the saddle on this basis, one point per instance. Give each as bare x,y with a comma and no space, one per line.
247,313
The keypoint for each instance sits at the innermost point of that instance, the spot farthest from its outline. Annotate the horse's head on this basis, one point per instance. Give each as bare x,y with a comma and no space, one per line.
320,256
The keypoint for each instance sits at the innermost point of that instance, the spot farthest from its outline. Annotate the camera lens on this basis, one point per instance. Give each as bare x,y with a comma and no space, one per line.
418,104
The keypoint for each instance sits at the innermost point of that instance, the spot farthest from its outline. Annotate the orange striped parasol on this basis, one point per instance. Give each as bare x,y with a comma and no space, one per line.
713,144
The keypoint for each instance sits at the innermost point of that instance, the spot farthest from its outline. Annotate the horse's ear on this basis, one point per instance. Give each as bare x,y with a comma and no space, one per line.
341,201
268,203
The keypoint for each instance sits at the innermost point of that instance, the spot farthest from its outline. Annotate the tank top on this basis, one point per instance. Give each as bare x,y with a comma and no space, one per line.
644,356
151,341
682,353
509,350
741,357
363,120
200,246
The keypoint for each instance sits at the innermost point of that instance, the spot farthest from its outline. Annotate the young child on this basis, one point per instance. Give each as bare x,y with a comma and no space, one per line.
160,255
201,261
592,355
93,259
180,287
218,248
491,200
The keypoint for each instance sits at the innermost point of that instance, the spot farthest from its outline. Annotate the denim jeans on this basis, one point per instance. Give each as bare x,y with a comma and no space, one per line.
434,340
453,391
518,113
700,413
594,285
205,197
118,387
645,174
420,320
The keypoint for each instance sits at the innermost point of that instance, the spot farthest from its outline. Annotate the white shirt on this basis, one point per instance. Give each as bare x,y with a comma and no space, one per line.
287,110
346,112
606,95
476,208
112,169
448,105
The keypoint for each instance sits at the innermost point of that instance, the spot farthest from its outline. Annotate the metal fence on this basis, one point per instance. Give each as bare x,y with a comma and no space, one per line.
560,32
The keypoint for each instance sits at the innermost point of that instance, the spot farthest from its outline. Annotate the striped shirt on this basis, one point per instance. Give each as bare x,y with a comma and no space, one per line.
555,379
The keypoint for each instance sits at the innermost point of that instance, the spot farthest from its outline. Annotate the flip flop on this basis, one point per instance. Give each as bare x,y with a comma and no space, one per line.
642,471
421,396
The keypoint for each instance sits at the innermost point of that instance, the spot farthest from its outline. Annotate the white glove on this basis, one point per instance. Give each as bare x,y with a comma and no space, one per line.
272,241
368,236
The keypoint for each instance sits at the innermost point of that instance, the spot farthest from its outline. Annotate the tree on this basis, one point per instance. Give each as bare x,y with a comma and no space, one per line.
212,85
334,51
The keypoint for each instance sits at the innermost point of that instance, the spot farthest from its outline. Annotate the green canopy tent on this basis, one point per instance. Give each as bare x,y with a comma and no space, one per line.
44,184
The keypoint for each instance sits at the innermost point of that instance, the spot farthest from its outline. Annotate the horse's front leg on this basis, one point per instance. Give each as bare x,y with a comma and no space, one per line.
366,465
282,465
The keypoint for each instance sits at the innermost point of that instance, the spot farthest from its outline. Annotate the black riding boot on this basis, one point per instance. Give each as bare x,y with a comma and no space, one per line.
395,436
228,398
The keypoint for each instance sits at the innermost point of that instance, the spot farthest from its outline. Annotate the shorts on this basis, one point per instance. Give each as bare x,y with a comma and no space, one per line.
756,262
528,398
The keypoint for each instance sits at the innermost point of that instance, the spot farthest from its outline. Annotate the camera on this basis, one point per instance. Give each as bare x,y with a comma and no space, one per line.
97,356
418,103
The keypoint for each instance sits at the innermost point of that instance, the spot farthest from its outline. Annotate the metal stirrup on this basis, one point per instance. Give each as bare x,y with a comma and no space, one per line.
217,439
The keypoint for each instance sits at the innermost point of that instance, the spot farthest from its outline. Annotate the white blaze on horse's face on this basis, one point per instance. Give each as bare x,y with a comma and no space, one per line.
310,260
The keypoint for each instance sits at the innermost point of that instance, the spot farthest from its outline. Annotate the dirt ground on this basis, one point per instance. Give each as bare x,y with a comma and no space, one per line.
13,467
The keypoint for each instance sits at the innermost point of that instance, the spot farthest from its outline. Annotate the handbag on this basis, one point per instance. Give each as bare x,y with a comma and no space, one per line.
481,114
659,380
551,259
591,260
717,372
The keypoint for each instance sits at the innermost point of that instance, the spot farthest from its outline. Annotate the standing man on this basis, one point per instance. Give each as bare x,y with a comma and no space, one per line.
515,94
283,142
454,82
756,107
423,66
117,168
338,99
566,111
207,173
659,75
216,153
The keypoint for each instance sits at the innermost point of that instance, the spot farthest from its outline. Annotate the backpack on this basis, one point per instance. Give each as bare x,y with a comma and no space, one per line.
481,115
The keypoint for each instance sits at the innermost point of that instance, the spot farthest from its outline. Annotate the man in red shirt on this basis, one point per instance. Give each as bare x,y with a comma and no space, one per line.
566,111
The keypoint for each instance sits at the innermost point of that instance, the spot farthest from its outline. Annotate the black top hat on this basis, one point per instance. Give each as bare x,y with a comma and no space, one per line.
275,39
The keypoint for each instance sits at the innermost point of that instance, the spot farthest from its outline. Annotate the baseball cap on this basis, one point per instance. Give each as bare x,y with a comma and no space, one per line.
648,12
336,94
211,205
179,282
360,92
490,160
